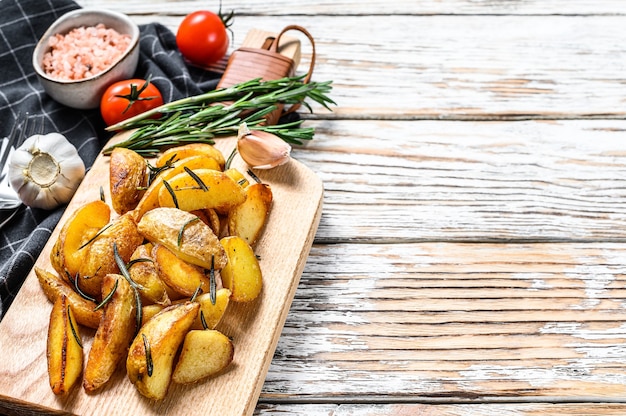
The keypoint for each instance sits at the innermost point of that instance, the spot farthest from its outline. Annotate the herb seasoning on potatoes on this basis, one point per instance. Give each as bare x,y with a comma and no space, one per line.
174,246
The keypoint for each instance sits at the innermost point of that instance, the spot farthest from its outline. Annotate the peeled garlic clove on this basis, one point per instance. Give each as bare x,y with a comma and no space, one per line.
262,150
46,170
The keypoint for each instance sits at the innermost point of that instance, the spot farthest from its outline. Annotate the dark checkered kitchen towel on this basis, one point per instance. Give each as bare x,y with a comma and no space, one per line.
22,22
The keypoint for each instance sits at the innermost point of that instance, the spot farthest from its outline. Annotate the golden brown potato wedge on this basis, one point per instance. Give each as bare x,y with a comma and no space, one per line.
191,149
84,223
242,274
54,287
150,198
206,188
148,311
184,234
115,333
64,347
236,175
128,177
182,277
210,218
143,271
150,359
100,259
247,220
205,353
210,314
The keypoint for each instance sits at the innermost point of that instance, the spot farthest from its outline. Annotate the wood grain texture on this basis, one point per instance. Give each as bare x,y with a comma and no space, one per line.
324,8
400,409
427,321
470,181
470,66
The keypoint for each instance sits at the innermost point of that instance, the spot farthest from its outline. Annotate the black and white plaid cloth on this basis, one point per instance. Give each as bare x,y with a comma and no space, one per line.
22,22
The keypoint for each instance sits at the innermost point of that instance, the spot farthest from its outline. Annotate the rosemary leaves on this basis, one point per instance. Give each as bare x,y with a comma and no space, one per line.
202,118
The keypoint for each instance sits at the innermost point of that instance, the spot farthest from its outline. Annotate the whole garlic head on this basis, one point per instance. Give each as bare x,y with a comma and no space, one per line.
46,170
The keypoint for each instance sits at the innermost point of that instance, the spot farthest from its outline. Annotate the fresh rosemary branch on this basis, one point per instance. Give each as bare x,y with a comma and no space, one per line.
218,113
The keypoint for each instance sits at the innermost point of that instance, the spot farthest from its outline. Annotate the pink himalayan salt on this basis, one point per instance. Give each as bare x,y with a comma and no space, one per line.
84,52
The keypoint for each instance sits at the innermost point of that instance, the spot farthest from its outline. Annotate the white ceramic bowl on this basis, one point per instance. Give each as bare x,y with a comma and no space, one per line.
86,93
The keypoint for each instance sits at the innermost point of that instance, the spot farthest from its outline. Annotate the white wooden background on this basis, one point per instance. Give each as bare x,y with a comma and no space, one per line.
471,252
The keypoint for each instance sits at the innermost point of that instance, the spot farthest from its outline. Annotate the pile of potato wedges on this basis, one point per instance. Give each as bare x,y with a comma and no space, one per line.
153,270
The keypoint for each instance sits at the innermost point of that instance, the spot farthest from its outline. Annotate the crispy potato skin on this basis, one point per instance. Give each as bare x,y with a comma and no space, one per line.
54,287
150,199
114,335
247,220
84,223
145,273
182,277
222,193
128,177
211,314
204,353
64,352
163,334
242,274
100,259
198,244
191,149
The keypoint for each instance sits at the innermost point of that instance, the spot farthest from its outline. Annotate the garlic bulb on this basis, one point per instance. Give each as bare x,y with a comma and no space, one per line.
46,170
260,149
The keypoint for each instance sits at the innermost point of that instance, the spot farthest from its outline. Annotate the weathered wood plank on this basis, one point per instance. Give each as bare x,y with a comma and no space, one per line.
369,7
363,324
401,409
468,67
471,181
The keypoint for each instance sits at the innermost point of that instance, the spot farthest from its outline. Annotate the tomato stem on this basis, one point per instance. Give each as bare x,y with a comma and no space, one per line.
135,94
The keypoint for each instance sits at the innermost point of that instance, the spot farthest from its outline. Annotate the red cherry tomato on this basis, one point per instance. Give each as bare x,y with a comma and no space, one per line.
128,98
202,37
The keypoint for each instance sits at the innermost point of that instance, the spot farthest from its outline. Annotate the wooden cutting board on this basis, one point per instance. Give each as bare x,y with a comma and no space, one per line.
254,328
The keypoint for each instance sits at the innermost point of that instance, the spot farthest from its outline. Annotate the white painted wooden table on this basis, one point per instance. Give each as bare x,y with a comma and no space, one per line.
471,256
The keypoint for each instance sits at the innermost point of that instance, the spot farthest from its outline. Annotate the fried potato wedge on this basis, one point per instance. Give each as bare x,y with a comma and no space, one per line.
128,178
185,235
148,311
236,175
99,261
150,198
204,353
247,220
210,314
64,347
242,274
68,252
115,333
150,360
182,277
143,271
54,287
191,149
210,218
205,188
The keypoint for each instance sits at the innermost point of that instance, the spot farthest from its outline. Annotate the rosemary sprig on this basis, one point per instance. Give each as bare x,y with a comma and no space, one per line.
82,294
170,190
149,363
212,282
73,328
196,178
136,287
108,297
218,113
182,230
